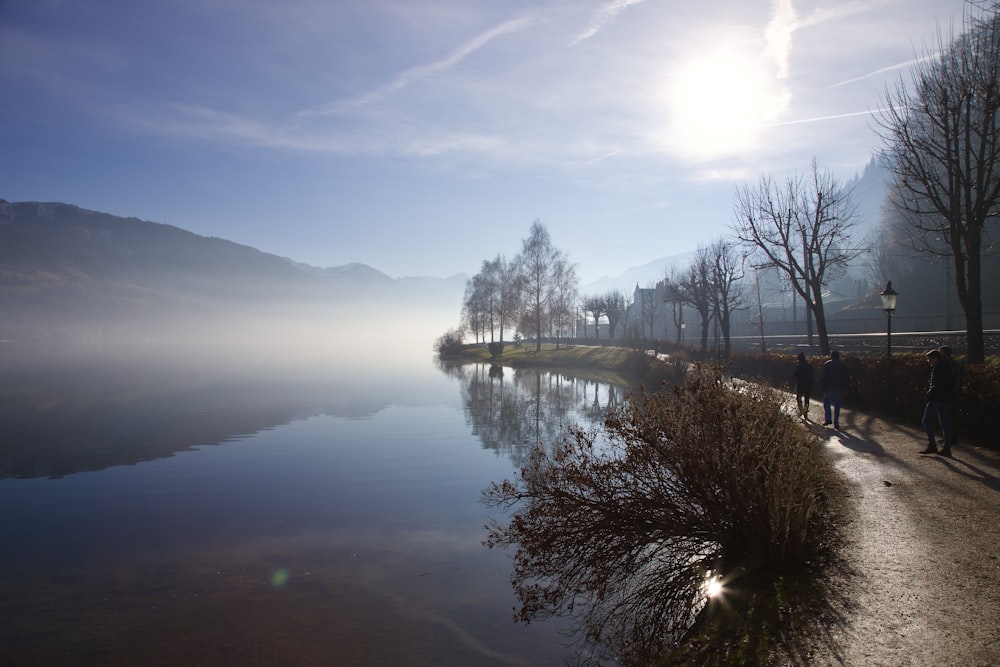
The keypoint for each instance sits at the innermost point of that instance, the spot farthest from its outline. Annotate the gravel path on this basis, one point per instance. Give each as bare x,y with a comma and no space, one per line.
923,550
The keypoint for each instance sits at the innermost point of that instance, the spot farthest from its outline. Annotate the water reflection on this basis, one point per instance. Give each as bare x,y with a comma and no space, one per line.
191,509
95,411
513,410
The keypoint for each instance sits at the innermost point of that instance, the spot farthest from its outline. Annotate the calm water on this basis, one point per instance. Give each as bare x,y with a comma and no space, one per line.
158,508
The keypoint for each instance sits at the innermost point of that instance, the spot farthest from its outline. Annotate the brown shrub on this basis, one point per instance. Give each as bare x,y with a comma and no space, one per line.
618,528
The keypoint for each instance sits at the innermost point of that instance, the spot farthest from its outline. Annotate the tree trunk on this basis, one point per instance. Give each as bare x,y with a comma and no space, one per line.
726,338
821,332
973,305
704,331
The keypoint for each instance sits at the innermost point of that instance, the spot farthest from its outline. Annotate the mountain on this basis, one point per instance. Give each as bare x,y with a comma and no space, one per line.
64,268
645,275
868,192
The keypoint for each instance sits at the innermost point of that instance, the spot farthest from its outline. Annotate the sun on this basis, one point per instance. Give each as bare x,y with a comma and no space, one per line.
719,102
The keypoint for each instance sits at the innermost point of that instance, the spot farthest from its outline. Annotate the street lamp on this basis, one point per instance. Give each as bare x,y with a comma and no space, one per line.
889,306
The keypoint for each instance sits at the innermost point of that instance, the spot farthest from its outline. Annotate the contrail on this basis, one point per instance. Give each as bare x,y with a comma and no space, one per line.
405,78
602,157
883,70
820,118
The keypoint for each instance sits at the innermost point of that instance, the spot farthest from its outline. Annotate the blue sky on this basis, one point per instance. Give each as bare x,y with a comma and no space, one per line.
422,137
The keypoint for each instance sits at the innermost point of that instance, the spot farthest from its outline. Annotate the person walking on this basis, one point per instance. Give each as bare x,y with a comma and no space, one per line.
803,385
833,381
955,366
938,408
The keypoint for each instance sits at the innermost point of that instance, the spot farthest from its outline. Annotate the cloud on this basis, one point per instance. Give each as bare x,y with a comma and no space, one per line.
189,120
419,72
834,12
778,34
604,13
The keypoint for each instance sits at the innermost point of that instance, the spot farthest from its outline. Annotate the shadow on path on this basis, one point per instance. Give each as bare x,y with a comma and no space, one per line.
866,434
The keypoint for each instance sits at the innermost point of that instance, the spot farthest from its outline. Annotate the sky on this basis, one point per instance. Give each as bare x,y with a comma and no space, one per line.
421,137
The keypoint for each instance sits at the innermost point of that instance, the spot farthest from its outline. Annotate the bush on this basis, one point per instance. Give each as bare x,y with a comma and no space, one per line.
496,349
621,527
449,343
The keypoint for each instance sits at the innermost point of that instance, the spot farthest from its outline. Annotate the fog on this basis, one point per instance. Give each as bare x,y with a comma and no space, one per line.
242,331
85,402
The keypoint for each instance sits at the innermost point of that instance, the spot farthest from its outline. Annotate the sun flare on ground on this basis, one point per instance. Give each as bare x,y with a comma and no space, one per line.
719,102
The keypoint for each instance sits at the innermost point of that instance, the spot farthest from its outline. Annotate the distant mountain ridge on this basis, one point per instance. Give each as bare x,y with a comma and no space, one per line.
646,275
62,266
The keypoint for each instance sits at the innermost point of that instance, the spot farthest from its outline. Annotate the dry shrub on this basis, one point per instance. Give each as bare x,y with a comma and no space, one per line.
618,528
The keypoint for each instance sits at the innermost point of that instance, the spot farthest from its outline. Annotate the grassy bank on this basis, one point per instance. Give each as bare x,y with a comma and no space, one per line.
618,364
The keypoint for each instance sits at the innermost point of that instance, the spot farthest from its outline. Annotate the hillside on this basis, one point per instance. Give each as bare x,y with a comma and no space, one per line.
68,271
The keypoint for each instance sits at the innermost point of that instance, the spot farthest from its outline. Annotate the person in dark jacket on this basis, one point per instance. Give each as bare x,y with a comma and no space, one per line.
803,385
938,408
955,366
833,381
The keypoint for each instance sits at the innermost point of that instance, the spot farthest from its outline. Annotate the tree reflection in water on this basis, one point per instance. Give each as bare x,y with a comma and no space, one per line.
513,410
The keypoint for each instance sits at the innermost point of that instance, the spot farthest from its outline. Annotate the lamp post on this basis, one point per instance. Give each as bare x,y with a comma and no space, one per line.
889,306
683,327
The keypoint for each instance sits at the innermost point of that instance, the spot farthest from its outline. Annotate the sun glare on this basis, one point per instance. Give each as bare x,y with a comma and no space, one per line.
719,103
712,586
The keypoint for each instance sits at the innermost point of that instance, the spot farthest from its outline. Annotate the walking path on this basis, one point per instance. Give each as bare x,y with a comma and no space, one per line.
922,580
923,550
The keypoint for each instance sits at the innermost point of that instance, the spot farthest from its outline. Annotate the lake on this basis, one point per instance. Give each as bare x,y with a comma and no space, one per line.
225,507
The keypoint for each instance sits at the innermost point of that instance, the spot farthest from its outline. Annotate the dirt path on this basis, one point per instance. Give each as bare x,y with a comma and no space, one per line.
923,542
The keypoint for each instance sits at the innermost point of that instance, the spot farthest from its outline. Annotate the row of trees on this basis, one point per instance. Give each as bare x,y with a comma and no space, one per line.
536,292
941,141
799,228
613,305
712,285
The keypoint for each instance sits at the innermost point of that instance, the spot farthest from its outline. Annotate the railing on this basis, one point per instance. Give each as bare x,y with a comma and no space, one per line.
869,342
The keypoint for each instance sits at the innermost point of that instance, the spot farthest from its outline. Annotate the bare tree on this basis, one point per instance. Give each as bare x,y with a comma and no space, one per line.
673,295
493,298
802,228
564,294
615,307
695,290
476,307
759,317
649,301
595,306
942,144
537,263
509,293
727,296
